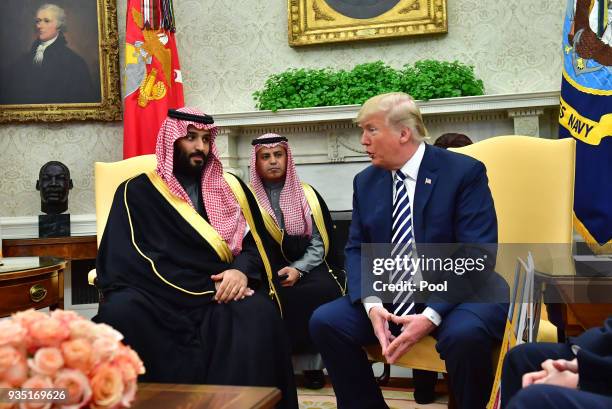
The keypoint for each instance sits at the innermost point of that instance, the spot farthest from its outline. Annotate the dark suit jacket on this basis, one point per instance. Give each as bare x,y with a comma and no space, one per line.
595,359
454,206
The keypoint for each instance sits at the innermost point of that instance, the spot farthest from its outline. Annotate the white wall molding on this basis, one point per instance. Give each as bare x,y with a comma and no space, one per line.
443,106
25,227
467,117
294,128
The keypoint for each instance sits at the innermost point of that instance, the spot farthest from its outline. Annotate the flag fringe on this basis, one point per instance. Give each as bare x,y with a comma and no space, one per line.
167,15
158,15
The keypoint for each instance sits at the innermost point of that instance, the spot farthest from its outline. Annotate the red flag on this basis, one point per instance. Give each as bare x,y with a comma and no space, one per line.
152,82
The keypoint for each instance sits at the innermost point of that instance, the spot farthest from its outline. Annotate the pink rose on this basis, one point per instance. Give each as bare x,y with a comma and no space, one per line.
127,370
66,316
129,394
28,317
78,354
9,356
129,363
11,333
46,361
104,349
107,386
13,368
49,332
106,331
135,360
36,382
82,329
77,386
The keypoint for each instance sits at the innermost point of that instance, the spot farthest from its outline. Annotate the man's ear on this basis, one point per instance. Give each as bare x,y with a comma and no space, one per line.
38,185
70,185
405,135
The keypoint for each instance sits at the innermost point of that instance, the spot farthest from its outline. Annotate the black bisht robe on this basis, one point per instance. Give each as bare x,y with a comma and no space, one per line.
185,338
322,284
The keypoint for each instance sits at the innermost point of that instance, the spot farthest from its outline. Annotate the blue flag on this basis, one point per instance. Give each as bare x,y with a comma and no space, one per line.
586,115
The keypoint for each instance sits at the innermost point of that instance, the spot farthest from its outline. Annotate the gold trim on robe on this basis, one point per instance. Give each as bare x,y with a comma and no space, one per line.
192,217
240,196
127,207
271,225
317,214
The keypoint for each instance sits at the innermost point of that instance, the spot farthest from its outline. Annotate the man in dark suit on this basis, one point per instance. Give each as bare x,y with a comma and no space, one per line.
574,375
449,202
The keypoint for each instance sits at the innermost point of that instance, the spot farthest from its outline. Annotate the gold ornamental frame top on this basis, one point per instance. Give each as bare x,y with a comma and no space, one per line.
328,21
107,106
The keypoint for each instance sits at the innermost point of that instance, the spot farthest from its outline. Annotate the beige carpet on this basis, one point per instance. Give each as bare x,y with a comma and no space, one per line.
396,399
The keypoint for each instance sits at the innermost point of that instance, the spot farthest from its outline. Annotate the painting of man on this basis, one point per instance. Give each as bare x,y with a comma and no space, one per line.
362,8
58,67
328,21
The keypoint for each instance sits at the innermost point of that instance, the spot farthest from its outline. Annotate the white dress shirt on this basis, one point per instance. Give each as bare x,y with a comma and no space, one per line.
40,51
411,170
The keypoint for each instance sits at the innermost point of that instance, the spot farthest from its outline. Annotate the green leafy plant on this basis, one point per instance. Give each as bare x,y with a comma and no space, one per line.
426,79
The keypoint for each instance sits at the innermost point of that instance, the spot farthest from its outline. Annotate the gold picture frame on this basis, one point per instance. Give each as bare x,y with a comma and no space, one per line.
29,92
328,21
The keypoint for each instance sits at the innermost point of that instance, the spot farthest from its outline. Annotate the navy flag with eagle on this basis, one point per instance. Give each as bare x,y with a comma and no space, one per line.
586,115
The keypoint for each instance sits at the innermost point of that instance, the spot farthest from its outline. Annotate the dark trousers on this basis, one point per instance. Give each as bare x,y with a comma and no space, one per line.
556,397
340,329
528,358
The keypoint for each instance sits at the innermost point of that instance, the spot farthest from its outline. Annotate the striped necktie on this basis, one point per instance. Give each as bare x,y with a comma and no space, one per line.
402,242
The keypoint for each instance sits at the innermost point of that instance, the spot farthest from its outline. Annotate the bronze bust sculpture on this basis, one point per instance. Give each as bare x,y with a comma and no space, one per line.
54,184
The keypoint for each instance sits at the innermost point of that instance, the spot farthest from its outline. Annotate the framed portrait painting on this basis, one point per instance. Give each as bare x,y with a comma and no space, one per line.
326,21
60,61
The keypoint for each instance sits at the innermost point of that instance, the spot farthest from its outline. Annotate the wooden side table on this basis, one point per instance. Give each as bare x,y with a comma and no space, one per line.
69,248
582,299
78,251
580,317
31,282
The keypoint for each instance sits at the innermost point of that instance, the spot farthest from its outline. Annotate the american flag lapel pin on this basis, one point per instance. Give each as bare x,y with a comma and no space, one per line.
427,181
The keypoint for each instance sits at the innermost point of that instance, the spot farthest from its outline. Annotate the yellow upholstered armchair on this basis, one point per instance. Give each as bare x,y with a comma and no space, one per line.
108,176
532,182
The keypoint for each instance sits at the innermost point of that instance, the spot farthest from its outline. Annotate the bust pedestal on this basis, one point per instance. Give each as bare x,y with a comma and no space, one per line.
54,225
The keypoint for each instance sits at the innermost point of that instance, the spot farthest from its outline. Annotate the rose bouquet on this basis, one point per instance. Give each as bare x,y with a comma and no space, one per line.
64,351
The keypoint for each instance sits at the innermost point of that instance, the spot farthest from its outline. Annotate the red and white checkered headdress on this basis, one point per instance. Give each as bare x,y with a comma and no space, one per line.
221,206
296,212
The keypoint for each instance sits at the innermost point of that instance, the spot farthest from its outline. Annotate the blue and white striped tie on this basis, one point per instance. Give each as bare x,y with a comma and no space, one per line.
402,241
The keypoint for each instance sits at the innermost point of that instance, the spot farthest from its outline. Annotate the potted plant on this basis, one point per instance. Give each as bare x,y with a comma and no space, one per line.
426,79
